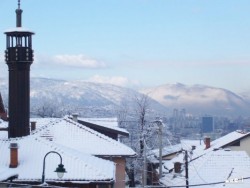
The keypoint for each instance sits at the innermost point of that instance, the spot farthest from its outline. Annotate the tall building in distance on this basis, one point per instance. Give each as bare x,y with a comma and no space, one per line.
19,57
207,125
179,119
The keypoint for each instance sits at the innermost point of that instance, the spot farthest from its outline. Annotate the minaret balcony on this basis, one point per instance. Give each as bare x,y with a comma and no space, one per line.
20,54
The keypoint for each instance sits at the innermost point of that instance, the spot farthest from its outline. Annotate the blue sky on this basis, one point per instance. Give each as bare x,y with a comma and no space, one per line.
137,43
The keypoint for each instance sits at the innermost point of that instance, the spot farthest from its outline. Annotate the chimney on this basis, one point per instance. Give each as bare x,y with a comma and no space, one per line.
13,155
207,142
75,117
33,125
177,167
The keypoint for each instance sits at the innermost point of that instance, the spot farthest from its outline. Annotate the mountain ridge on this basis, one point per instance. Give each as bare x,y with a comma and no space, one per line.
196,97
93,98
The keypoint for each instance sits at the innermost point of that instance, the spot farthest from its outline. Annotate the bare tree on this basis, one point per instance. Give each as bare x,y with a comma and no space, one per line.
138,117
137,125
141,109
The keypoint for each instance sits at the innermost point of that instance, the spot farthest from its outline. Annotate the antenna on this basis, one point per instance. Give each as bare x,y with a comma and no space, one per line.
18,4
19,15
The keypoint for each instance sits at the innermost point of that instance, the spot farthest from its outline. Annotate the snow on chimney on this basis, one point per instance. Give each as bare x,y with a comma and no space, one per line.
177,167
13,155
75,117
207,141
33,125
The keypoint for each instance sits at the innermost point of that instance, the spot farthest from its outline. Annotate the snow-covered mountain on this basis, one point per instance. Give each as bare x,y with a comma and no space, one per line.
87,98
93,99
199,99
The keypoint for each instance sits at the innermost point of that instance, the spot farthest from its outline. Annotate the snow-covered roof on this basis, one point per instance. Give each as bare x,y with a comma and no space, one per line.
215,166
153,155
71,134
200,147
229,138
80,167
187,143
78,145
167,150
108,123
211,165
172,149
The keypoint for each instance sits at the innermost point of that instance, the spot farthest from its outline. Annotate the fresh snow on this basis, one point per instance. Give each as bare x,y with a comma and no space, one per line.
111,123
210,165
78,145
81,138
214,167
31,151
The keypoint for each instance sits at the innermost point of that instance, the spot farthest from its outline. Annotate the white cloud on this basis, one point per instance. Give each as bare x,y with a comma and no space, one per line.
115,80
79,60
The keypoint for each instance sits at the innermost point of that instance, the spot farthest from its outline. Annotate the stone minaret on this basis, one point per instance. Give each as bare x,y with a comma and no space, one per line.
19,57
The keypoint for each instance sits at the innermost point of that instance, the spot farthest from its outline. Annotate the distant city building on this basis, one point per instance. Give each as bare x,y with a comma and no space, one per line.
207,125
179,118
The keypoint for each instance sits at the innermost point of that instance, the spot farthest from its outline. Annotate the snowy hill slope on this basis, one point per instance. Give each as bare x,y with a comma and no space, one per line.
88,99
93,99
199,99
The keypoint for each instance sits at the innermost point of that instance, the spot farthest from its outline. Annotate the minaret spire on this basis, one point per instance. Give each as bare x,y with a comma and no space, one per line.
19,15
19,57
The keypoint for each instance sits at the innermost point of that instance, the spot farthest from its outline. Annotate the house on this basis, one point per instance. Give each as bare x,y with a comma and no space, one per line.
26,164
168,153
77,144
223,162
73,135
220,168
236,141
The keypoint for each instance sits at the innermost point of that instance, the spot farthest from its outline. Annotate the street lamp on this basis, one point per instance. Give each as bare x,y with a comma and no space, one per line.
60,169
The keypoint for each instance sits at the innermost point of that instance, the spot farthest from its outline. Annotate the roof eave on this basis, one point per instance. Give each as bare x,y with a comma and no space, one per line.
229,143
92,125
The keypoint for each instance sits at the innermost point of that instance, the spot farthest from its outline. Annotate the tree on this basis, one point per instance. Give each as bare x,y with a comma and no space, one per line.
135,117
139,118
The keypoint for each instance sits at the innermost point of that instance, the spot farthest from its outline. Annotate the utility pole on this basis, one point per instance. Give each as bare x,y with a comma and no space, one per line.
145,163
186,168
160,149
